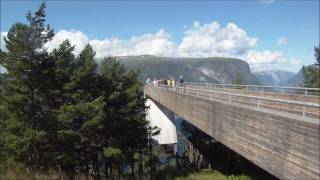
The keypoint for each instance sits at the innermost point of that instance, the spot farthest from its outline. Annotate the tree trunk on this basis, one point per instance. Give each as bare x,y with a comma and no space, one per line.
141,163
97,166
71,176
119,171
110,167
132,168
150,159
106,169
87,171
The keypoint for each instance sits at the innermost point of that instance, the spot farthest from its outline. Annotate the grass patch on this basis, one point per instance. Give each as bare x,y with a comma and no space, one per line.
203,175
187,174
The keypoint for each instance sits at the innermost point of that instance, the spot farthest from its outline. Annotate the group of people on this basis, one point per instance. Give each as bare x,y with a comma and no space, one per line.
170,82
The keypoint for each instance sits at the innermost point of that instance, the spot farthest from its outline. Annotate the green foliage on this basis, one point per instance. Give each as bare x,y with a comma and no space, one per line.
311,76
240,177
317,55
58,113
111,152
188,174
311,73
26,93
206,175
238,79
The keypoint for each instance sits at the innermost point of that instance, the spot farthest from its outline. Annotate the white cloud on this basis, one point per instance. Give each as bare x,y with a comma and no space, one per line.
3,48
2,42
156,44
201,40
282,40
264,60
264,57
159,44
268,60
294,61
75,37
213,40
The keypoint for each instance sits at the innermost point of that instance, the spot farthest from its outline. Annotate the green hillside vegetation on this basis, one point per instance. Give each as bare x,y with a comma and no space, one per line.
213,69
204,174
275,77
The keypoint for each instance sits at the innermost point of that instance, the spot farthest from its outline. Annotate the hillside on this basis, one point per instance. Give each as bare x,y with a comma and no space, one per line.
213,70
296,80
274,77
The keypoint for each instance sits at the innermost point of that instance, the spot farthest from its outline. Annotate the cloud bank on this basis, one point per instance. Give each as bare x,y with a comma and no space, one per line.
159,44
209,40
201,40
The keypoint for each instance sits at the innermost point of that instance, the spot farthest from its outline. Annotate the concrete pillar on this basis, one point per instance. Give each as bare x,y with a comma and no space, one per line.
164,119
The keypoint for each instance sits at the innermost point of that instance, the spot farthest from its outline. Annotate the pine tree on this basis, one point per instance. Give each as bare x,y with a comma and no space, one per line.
317,55
58,112
311,73
125,110
64,65
26,92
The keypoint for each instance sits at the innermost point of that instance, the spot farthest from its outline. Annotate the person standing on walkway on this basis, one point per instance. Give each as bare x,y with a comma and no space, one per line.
173,83
148,81
154,82
181,80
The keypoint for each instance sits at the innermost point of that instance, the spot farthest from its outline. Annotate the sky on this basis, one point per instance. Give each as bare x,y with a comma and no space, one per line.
268,34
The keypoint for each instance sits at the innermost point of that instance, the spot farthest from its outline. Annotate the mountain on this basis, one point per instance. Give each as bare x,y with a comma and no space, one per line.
274,77
296,80
213,69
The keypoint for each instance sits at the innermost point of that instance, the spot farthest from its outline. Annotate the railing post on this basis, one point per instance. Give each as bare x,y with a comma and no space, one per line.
262,89
259,103
303,111
230,99
306,92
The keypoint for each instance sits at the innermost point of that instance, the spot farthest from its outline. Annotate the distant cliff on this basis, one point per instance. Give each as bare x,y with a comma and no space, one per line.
213,70
274,77
297,80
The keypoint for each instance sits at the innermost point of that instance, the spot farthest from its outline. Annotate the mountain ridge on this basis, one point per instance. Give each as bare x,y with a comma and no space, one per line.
274,77
211,69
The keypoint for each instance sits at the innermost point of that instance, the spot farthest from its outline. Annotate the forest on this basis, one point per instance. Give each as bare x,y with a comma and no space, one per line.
65,116
60,113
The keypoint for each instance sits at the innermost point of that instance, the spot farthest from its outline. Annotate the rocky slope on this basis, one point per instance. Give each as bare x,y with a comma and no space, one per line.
213,70
274,77
296,80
